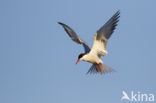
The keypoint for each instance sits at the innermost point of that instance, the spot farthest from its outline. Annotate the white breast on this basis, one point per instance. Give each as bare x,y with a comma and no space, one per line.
91,58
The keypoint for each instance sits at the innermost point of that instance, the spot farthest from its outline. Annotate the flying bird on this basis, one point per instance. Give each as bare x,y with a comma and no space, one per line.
98,49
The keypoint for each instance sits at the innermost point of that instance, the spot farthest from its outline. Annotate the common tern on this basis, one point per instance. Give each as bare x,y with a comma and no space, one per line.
98,49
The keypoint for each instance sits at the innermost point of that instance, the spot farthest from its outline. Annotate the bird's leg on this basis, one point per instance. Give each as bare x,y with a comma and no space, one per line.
99,67
96,68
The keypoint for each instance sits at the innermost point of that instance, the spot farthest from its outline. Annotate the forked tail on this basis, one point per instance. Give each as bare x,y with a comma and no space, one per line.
102,70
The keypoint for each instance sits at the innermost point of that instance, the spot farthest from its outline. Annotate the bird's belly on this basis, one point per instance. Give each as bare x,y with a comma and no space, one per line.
90,60
93,59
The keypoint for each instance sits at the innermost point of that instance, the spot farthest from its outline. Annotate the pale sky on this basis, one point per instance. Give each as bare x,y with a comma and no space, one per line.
37,58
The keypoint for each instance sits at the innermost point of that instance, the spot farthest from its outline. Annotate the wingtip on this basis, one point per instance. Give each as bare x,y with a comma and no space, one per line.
62,24
59,23
118,12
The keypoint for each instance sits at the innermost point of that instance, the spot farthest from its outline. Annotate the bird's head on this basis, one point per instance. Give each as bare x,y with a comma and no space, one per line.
80,57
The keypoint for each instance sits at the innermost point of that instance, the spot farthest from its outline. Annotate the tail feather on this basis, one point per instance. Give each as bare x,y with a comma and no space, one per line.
93,69
104,69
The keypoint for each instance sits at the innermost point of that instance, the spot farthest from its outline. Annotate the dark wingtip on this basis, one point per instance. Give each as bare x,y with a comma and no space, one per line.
118,11
64,25
60,23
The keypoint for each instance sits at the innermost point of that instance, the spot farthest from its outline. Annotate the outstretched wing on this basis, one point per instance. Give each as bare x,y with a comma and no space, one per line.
103,34
108,28
75,37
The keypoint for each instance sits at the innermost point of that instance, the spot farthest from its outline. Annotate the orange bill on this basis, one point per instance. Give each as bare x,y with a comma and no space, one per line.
77,61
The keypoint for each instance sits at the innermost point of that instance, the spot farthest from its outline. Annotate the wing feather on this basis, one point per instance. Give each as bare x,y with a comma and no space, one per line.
108,28
75,37
103,34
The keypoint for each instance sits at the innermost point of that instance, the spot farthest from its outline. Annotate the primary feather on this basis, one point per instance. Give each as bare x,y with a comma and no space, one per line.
103,34
75,37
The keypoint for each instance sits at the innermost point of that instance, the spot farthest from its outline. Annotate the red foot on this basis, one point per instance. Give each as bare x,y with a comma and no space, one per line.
99,67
